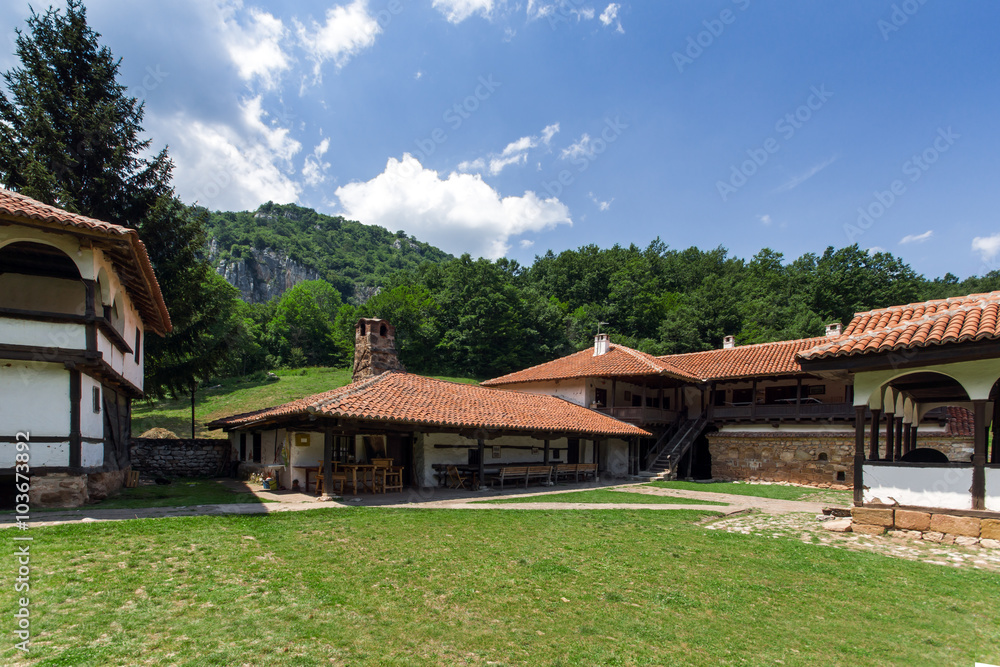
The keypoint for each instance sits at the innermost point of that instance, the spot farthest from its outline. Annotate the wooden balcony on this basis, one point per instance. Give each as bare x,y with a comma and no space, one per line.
641,415
783,412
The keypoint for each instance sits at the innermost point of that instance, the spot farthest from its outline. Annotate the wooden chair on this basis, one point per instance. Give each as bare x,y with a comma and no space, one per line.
383,468
336,478
392,479
456,480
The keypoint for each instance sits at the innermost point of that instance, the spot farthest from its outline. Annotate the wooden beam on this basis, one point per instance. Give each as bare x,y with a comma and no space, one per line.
899,436
890,428
859,455
546,459
995,454
327,463
75,396
873,438
979,456
482,461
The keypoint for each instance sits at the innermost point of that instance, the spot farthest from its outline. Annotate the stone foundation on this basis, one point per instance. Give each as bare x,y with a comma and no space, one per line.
931,526
180,458
816,459
65,490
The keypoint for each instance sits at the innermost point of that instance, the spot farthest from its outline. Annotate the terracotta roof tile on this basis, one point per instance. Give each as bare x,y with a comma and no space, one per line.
618,361
915,325
154,310
745,360
404,398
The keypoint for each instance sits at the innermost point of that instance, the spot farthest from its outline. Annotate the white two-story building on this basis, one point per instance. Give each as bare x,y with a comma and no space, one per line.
78,298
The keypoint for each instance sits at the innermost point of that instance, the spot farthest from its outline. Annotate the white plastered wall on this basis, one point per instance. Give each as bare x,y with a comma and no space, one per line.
123,363
574,391
25,387
993,489
924,487
459,455
976,377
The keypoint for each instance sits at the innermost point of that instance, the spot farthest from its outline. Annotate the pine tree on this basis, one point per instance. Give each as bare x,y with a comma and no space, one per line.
70,136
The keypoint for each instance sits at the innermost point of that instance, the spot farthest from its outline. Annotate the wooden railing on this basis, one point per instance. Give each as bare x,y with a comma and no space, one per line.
789,411
641,415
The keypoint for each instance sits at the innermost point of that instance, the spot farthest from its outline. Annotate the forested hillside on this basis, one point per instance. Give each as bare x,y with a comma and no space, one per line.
347,254
480,318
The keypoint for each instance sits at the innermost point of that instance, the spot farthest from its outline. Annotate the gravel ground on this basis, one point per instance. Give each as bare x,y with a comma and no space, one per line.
808,528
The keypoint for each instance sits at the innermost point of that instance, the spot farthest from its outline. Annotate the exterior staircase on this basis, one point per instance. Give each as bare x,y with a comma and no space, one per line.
668,451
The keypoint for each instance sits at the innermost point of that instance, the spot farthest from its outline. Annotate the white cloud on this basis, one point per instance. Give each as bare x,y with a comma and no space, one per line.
314,169
233,166
348,30
798,180
457,11
255,44
460,213
765,219
986,246
601,205
610,16
875,249
917,238
526,243
582,148
419,75
516,152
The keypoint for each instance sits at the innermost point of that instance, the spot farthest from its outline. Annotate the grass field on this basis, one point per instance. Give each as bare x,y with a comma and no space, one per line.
181,492
368,586
777,491
236,395
603,496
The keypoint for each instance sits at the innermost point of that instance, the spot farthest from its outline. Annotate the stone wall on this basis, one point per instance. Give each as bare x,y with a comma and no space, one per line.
931,526
817,459
180,458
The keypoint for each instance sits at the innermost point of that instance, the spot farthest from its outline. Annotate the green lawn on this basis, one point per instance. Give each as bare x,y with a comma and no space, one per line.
182,492
603,496
236,395
375,586
776,491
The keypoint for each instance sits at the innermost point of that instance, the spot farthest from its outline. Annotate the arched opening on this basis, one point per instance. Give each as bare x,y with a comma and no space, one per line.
929,421
822,457
363,329
118,315
383,331
41,278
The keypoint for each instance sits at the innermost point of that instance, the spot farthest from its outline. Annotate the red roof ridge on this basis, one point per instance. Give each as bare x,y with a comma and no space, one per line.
743,347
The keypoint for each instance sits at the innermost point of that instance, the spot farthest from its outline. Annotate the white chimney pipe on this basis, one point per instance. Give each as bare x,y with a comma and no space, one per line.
601,344
729,342
834,330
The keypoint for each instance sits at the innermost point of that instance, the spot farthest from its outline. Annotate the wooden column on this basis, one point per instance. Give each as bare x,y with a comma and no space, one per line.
798,399
328,463
907,428
546,459
75,433
873,438
912,444
890,432
899,436
859,454
979,456
614,390
482,461
995,453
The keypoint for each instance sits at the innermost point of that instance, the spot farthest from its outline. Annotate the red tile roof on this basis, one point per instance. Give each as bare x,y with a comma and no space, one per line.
404,398
915,325
961,422
744,361
618,361
154,310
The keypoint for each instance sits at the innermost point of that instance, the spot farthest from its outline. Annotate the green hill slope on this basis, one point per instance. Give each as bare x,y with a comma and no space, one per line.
349,255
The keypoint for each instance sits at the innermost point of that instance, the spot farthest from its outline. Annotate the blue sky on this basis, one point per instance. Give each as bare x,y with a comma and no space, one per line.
498,127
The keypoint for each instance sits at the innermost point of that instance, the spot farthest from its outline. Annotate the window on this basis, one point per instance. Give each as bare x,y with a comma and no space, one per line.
719,398
601,397
742,396
97,400
138,342
383,331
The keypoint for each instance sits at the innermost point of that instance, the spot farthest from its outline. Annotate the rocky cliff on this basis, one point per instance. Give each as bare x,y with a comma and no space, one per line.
263,275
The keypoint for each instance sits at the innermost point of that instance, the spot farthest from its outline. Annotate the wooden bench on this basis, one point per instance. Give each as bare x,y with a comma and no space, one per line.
526,474
576,471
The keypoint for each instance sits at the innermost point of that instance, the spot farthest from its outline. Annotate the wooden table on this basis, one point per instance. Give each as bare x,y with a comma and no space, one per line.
352,475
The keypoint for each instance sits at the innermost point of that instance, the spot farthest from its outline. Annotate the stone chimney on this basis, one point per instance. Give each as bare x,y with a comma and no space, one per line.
729,342
602,343
374,349
834,330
